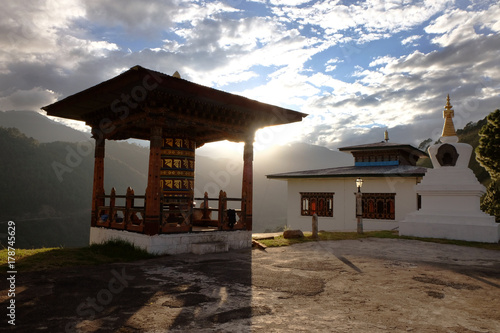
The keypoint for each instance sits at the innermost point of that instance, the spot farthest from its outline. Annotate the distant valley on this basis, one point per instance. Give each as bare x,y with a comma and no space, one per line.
47,174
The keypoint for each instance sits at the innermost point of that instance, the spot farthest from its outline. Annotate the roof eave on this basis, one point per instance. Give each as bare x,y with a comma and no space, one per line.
408,148
109,92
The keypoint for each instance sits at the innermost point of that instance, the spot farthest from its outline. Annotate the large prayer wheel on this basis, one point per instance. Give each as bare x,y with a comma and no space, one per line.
177,167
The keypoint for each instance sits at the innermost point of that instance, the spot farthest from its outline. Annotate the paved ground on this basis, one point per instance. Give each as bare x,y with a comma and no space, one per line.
370,285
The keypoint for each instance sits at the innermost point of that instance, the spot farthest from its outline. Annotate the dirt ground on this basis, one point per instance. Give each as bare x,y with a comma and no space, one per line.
370,285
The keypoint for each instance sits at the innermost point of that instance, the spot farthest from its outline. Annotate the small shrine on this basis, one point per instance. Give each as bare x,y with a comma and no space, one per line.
388,171
450,194
176,116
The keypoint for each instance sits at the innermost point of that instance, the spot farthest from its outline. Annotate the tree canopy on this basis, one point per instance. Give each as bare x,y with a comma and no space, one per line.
488,151
488,155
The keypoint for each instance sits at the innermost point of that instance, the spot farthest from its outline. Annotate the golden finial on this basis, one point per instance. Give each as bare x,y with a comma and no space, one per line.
448,114
177,75
386,135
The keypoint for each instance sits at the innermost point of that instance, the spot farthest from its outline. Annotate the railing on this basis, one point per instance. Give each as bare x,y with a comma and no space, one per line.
227,219
175,215
128,217
178,214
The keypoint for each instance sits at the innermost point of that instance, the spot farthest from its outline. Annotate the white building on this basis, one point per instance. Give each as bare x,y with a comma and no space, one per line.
450,194
389,175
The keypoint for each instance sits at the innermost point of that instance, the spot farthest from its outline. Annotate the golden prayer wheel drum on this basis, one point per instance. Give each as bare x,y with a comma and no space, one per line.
177,168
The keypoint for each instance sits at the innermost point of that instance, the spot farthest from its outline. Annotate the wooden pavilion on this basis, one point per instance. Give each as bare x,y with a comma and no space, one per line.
176,116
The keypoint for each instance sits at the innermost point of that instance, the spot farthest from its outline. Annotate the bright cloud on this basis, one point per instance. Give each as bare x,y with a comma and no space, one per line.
376,16
459,25
411,40
381,60
27,99
356,68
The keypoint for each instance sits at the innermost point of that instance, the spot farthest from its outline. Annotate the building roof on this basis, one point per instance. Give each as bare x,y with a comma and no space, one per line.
384,145
355,171
134,101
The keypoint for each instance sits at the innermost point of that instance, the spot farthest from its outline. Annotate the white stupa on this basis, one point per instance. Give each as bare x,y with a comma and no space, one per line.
450,194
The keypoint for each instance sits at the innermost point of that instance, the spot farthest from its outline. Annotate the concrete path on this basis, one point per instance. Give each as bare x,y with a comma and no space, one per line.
369,285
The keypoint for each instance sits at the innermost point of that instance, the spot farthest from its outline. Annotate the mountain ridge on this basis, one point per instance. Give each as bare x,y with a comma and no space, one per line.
55,177
40,127
63,171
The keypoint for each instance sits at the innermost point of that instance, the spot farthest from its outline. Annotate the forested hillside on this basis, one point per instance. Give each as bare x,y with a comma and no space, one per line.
30,185
40,127
51,182
470,134
43,207
47,186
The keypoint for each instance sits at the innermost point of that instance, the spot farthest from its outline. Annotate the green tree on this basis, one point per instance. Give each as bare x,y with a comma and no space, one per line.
488,151
424,145
490,202
487,154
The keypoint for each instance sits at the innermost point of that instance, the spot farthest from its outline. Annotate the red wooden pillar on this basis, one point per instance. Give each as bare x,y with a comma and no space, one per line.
247,186
98,187
154,191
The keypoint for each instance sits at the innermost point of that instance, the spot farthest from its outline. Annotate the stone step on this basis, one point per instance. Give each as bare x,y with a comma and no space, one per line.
209,247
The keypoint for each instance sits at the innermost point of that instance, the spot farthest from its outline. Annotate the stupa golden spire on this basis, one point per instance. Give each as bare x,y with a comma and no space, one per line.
448,114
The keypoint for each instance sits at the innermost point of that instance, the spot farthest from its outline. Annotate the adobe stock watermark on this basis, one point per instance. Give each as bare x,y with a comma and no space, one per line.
351,48
267,135
220,180
233,3
470,104
88,309
121,109
122,106
74,158
393,181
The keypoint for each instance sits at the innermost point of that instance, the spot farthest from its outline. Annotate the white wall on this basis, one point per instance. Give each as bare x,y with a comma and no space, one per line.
344,201
176,243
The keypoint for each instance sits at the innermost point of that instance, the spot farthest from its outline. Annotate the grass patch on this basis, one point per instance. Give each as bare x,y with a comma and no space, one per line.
121,251
325,235
53,258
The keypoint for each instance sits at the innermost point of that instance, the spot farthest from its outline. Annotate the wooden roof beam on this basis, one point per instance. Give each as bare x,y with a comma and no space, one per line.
202,121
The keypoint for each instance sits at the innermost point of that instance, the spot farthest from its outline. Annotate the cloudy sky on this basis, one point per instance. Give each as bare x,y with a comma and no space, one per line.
356,67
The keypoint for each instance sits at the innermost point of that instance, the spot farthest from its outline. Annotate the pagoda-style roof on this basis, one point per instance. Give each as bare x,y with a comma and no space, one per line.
130,104
384,154
355,171
379,159
384,145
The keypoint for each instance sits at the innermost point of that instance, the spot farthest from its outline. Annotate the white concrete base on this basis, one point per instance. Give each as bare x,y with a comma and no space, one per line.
472,228
451,189
212,247
451,208
198,243
374,225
